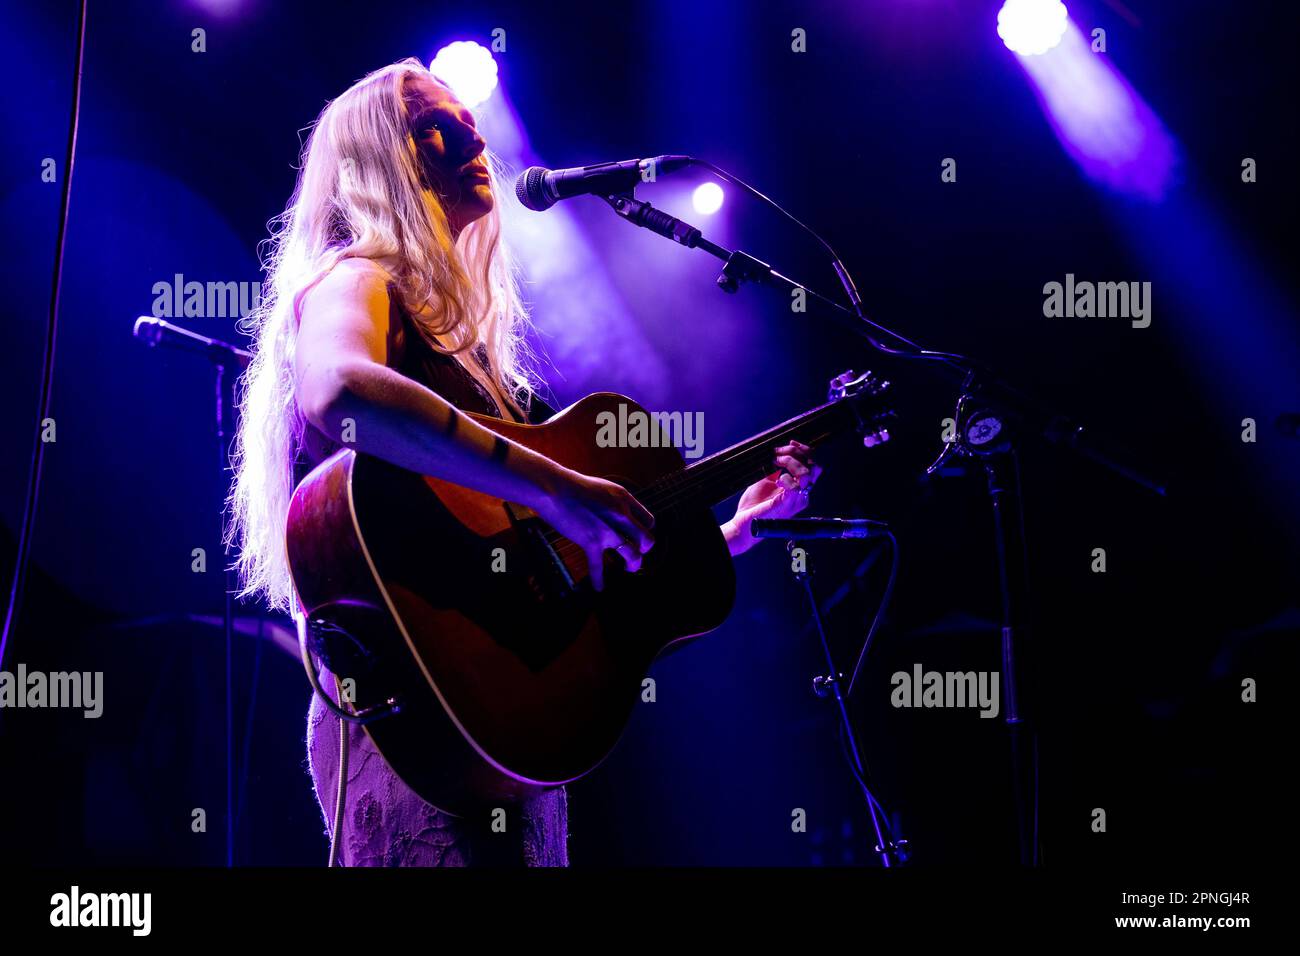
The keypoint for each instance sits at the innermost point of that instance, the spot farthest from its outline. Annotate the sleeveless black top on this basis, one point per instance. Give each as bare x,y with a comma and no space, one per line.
440,373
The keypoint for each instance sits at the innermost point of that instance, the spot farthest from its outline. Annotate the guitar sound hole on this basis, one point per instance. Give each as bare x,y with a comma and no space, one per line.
535,610
550,579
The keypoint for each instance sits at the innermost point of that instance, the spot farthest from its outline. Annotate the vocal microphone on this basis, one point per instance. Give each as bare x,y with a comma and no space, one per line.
817,528
539,189
154,332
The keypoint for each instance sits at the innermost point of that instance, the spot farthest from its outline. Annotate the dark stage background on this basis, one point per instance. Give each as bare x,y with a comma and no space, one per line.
184,156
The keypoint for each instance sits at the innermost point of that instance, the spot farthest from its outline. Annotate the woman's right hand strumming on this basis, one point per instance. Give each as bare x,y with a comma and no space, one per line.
598,516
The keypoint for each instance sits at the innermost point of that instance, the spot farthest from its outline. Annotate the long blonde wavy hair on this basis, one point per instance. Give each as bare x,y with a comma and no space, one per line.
361,193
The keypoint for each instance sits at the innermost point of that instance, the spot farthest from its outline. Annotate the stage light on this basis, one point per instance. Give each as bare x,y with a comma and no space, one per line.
219,8
468,69
1105,126
1031,27
707,198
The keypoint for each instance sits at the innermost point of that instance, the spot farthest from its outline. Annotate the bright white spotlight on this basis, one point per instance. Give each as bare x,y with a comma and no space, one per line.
468,69
707,198
1031,27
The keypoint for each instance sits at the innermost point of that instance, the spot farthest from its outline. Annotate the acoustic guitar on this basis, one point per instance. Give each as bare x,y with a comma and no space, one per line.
475,627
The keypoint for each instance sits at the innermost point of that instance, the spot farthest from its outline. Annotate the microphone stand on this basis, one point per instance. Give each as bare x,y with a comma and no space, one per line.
223,356
991,417
892,850
227,615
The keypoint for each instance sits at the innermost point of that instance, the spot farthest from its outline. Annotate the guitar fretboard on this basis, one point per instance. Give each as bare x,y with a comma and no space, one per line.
722,474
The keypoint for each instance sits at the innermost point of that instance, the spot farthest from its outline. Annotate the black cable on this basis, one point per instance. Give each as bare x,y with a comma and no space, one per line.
341,793
854,760
23,554
913,350
880,612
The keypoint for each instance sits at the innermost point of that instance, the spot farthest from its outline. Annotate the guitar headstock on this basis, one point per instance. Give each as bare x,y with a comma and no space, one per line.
867,396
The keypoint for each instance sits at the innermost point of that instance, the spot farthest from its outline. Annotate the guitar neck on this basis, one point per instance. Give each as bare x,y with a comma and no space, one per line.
722,474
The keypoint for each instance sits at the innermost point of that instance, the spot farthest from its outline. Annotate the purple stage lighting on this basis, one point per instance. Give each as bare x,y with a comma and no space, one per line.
468,68
219,8
1032,27
1102,122
707,198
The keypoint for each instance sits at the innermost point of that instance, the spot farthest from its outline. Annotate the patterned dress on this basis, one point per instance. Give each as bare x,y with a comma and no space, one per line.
385,823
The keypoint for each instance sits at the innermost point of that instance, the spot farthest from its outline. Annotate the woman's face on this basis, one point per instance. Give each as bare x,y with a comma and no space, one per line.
451,150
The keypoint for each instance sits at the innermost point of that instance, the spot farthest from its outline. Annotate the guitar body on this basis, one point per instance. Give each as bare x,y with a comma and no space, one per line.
513,674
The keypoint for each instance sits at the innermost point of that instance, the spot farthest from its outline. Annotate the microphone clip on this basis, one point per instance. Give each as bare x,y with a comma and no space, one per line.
742,267
648,217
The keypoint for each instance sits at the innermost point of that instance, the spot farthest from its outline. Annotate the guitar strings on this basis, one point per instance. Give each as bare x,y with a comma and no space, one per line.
670,491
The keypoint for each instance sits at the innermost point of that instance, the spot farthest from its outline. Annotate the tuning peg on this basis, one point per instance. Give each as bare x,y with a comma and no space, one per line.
879,437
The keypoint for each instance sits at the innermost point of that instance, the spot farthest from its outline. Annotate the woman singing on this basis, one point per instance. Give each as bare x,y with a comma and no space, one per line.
390,309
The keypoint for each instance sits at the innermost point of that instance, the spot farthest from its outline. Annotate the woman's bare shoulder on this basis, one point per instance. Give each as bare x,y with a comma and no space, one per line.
365,269
352,279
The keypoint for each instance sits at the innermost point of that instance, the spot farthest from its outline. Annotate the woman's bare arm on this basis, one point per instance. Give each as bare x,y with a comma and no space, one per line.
342,378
